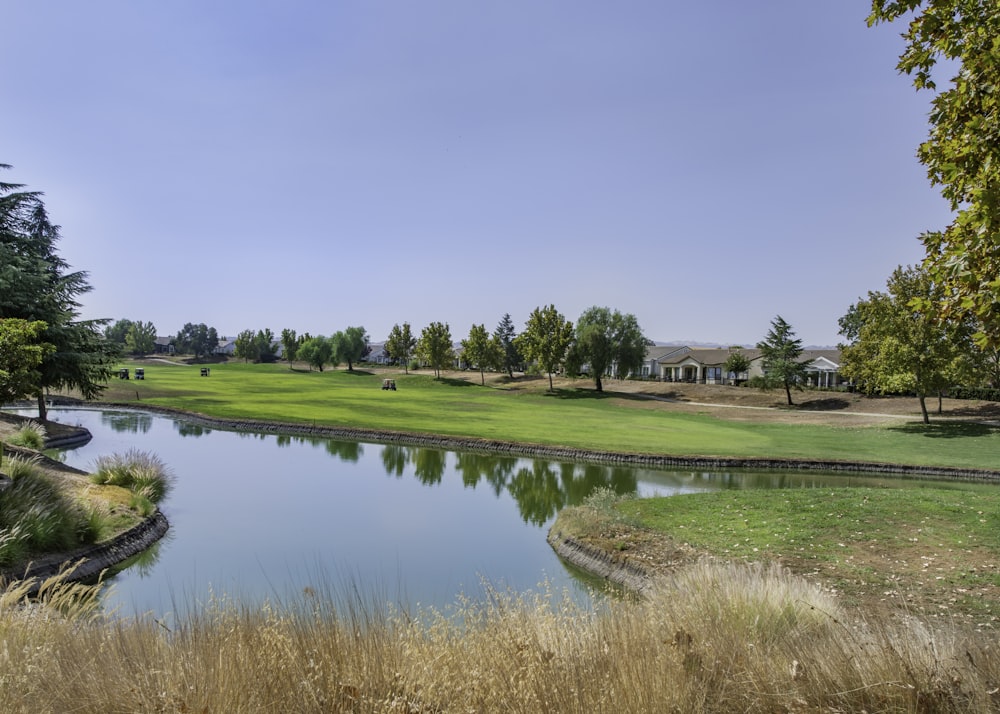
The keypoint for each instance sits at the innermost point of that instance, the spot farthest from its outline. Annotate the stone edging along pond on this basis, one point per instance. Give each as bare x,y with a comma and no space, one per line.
510,448
606,565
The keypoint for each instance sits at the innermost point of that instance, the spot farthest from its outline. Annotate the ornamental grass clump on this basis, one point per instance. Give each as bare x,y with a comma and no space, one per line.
31,435
36,516
141,472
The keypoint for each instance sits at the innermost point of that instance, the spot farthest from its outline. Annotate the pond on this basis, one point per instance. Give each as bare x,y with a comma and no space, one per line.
264,516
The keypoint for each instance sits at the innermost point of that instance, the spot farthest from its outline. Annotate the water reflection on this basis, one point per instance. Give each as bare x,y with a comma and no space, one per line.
186,428
435,523
122,422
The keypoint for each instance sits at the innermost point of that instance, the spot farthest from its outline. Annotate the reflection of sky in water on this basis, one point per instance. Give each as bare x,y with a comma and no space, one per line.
260,516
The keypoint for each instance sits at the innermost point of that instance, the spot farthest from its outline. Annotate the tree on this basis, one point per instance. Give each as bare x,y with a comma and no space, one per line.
21,356
350,346
290,344
316,351
245,346
897,346
781,352
481,351
198,340
401,345
546,338
736,364
435,347
140,339
608,341
961,153
118,332
506,336
36,285
265,345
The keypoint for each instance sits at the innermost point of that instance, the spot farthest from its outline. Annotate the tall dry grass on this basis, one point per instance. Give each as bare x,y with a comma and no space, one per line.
716,638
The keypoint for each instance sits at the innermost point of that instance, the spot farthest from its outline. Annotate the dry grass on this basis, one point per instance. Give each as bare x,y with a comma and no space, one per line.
718,638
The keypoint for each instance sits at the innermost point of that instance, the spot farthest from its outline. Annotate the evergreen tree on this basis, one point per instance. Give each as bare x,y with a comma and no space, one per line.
506,336
781,352
37,285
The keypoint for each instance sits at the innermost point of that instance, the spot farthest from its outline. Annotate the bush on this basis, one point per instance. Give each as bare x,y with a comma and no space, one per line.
989,394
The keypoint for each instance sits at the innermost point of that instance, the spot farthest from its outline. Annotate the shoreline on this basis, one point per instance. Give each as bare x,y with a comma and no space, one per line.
92,560
385,436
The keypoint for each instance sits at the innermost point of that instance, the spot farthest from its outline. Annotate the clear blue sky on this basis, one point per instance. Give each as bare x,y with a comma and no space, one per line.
316,165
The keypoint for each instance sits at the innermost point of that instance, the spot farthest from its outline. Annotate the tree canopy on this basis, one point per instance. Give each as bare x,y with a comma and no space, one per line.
608,342
199,340
737,363
481,351
316,351
435,346
21,356
506,337
350,346
546,339
897,346
37,285
290,344
401,345
781,352
962,150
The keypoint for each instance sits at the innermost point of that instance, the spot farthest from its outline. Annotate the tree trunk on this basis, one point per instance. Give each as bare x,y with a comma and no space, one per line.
788,393
43,414
597,382
551,388
482,377
940,403
923,408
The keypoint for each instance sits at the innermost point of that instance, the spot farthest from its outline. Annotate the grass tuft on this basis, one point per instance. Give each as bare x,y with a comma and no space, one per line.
31,435
143,473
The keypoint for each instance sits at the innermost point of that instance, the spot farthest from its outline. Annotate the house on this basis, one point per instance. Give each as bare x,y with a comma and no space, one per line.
377,354
706,365
823,368
226,346
164,345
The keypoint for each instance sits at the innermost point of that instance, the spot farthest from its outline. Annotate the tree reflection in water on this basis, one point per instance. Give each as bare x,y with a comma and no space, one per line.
134,422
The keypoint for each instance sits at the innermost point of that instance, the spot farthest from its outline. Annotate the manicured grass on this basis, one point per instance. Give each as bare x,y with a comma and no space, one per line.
579,418
936,549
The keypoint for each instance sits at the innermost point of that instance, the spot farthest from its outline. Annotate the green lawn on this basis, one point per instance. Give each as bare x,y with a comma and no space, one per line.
935,549
579,418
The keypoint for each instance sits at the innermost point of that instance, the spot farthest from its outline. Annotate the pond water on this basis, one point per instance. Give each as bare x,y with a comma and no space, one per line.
263,516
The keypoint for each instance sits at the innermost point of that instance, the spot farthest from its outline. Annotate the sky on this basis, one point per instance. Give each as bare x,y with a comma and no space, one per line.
320,164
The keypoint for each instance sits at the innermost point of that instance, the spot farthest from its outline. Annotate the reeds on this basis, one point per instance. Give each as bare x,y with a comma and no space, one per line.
715,638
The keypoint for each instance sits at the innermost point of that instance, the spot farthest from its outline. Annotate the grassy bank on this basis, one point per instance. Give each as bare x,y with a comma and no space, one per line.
921,550
524,412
